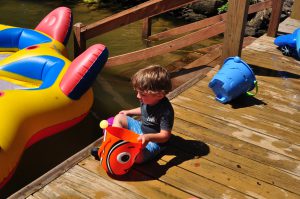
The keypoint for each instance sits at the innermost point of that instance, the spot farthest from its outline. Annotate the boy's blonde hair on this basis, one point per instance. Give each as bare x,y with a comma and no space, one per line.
152,79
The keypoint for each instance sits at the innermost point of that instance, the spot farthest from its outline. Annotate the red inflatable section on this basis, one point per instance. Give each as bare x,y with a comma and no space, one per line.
57,24
83,71
47,132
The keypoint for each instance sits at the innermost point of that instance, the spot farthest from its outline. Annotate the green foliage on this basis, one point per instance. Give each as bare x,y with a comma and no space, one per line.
91,1
224,7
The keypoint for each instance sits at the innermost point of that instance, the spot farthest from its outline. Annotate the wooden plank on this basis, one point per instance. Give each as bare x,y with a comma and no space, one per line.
205,59
137,182
95,167
193,75
267,105
275,17
78,182
295,10
289,25
168,46
265,109
270,61
188,28
233,139
265,44
141,11
235,28
205,151
157,170
213,52
268,56
184,86
249,185
205,22
277,59
58,190
188,180
286,87
272,92
196,70
247,128
266,129
282,93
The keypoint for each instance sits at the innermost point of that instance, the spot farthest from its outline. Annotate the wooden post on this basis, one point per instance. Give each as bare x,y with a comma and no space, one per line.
79,40
146,32
235,28
296,10
275,17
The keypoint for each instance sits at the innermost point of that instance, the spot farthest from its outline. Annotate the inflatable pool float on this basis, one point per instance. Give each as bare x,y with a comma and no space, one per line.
41,91
54,30
289,44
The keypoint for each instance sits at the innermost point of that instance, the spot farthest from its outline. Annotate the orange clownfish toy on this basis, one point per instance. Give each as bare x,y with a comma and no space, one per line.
118,150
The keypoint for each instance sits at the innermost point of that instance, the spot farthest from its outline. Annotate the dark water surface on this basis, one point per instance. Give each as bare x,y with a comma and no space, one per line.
112,89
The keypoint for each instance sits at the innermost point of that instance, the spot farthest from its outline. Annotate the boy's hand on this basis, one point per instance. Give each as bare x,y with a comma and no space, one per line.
124,112
144,139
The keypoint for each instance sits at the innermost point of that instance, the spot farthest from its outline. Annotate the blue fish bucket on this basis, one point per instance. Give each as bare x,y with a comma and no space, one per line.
291,40
232,80
297,32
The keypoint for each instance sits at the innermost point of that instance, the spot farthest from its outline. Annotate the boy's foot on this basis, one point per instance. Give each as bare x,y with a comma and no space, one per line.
94,153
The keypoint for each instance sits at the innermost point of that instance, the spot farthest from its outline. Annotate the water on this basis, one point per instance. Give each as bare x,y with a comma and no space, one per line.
112,89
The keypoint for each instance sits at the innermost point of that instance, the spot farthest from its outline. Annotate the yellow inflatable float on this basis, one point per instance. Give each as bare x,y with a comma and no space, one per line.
41,91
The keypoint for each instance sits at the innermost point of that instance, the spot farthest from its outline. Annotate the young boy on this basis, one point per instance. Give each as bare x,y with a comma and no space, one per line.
157,114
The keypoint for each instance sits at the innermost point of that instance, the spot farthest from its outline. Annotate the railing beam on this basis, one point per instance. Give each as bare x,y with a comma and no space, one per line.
205,22
275,18
295,10
169,46
141,11
235,27
79,40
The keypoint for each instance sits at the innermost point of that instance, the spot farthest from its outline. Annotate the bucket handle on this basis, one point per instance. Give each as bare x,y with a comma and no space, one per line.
256,89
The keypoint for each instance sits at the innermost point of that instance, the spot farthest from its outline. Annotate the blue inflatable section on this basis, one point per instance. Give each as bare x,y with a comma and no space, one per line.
44,68
289,42
283,40
21,38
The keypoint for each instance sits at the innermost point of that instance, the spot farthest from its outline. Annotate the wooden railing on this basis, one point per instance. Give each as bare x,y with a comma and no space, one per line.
194,32
295,10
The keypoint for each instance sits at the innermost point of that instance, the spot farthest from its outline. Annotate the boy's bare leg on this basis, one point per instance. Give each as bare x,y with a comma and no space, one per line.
120,120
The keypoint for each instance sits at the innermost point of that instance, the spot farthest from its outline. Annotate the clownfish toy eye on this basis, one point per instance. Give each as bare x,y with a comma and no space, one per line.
123,157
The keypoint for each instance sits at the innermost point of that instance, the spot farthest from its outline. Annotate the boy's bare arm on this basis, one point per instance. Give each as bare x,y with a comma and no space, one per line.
135,111
160,137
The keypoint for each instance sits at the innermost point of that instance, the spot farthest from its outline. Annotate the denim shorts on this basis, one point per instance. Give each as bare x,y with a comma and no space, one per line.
152,149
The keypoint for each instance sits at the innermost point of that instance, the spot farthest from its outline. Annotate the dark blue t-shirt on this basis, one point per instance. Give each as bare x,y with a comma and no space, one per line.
157,117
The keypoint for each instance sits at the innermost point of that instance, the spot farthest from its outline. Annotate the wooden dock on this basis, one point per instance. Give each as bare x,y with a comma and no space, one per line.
249,148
